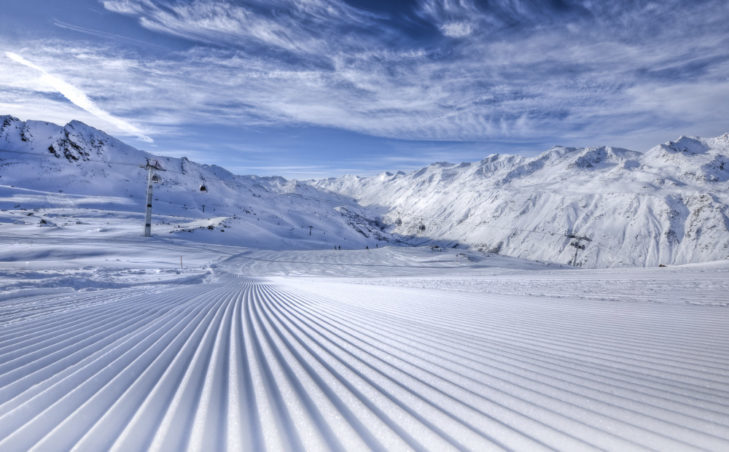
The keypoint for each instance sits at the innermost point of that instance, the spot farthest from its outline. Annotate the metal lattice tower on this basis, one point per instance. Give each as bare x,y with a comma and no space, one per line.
151,167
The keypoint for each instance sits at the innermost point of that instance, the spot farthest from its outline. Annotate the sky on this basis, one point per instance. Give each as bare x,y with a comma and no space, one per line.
319,88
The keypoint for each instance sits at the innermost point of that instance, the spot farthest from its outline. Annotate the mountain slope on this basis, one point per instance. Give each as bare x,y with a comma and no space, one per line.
84,164
596,207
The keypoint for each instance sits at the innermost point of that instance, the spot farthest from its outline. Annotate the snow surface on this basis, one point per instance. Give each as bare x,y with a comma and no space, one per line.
413,349
107,343
232,328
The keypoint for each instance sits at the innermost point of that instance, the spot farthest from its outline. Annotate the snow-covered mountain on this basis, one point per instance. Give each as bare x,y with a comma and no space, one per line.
596,207
265,212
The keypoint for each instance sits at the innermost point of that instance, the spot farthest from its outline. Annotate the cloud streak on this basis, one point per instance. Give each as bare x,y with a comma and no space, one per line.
79,98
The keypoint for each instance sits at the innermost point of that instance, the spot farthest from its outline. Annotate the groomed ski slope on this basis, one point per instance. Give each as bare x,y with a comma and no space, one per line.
320,362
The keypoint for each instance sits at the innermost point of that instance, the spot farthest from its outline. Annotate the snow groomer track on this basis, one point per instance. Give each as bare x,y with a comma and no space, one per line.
300,363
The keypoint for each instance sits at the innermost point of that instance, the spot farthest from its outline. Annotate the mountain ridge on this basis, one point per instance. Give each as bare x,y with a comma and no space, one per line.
263,212
595,206
668,205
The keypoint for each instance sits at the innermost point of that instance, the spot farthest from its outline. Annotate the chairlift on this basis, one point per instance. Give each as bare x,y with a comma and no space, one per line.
203,188
156,178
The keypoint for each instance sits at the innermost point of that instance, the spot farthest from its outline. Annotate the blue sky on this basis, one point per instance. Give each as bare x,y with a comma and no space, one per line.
314,88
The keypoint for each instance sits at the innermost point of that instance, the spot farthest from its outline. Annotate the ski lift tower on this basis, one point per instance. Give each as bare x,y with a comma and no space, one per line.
152,177
577,244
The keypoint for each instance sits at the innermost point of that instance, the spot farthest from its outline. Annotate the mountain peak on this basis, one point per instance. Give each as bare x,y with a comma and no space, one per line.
689,145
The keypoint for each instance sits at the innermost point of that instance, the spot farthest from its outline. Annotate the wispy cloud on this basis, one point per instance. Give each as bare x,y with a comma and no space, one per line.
522,69
624,73
291,25
79,98
456,29
104,34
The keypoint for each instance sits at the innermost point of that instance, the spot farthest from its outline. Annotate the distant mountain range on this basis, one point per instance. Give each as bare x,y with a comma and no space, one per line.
596,207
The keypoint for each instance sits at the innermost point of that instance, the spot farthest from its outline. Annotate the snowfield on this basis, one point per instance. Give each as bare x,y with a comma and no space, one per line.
346,314
109,344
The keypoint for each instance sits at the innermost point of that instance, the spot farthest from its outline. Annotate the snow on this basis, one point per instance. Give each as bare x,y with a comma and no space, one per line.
233,328
394,348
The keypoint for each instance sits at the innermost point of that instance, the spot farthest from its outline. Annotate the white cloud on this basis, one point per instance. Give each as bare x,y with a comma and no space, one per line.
79,98
456,29
124,6
574,81
294,27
